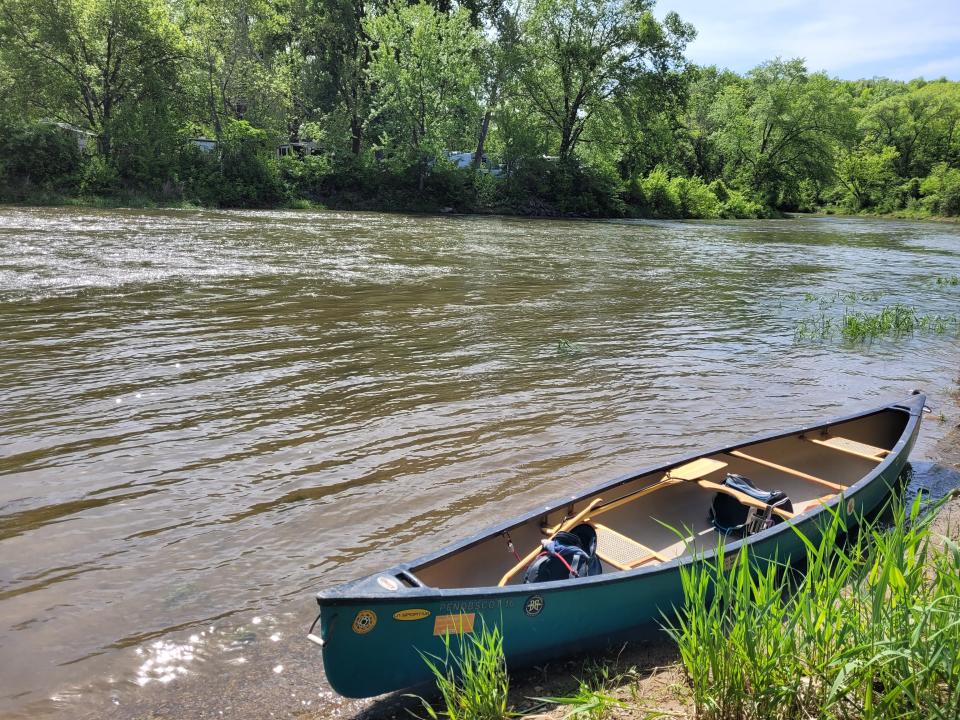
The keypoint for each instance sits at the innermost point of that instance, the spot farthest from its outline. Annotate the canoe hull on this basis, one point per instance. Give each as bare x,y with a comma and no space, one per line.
373,640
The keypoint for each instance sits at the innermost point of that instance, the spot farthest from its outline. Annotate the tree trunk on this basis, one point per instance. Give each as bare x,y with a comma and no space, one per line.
484,129
485,126
356,135
565,144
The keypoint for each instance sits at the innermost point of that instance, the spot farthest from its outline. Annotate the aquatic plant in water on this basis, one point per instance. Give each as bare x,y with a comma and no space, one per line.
566,347
859,326
847,297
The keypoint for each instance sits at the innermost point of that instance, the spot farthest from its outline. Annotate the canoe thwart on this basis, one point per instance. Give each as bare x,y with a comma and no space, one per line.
784,469
683,473
852,447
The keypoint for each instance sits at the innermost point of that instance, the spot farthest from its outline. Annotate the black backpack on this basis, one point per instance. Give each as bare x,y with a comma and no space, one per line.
732,517
568,555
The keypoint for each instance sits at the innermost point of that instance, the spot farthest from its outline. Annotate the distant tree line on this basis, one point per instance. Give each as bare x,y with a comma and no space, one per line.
583,107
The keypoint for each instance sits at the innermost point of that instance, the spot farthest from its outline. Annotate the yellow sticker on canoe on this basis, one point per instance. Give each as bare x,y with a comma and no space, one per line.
454,624
411,614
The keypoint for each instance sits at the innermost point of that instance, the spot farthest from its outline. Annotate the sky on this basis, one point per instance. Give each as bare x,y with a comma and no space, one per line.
849,39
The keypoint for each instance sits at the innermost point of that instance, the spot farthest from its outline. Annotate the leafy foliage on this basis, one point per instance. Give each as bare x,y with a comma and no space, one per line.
548,107
472,677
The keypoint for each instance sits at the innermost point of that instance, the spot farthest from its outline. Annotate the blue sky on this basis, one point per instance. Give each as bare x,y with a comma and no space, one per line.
847,38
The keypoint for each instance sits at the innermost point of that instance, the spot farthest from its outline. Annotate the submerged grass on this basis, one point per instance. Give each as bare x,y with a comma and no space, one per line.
871,629
892,321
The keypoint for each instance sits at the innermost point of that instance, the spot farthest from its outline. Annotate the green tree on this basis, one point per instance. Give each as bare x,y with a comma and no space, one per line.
424,70
781,128
579,57
866,175
336,52
240,72
923,124
83,61
701,123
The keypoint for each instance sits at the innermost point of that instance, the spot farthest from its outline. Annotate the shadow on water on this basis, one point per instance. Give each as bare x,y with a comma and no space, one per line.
930,479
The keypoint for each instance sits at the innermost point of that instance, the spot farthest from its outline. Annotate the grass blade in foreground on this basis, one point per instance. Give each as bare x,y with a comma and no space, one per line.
871,629
472,679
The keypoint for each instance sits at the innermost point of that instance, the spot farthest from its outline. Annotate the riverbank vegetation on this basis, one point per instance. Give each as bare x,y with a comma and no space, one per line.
868,627
545,107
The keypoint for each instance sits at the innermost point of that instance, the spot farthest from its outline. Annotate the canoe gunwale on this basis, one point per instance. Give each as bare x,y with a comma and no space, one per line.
350,592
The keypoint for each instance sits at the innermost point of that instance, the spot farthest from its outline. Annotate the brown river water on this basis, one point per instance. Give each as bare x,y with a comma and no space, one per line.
207,416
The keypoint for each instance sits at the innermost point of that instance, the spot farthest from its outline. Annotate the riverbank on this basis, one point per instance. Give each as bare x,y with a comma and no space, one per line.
535,208
538,188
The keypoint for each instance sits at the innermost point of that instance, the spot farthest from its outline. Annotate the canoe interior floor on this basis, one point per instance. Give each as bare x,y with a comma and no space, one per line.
674,519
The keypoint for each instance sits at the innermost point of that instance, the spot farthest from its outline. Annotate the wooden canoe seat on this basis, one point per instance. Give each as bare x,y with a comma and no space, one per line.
621,551
803,507
852,447
696,469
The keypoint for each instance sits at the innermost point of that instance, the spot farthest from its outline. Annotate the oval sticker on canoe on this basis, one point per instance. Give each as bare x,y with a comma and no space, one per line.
411,614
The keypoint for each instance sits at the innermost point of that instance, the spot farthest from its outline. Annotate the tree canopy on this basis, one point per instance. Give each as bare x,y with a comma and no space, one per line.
584,107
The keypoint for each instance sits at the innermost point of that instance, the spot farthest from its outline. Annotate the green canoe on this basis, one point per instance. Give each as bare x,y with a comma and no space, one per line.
372,630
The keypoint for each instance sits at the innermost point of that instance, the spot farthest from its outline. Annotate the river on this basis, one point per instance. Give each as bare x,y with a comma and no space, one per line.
206,416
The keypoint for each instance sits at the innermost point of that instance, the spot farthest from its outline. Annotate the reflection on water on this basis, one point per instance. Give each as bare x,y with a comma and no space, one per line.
205,416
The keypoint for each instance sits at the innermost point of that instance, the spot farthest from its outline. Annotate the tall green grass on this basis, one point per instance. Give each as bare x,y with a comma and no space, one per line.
471,678
871,629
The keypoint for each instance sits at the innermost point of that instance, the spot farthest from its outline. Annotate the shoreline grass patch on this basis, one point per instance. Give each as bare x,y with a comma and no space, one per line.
472,679
871,629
